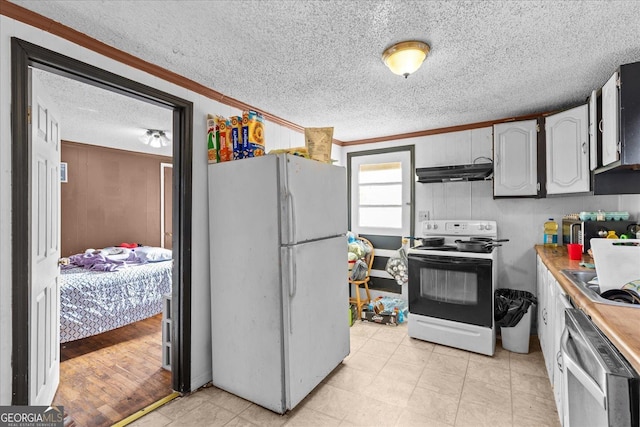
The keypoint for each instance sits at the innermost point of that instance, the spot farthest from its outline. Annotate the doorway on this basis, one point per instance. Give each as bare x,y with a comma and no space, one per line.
23,56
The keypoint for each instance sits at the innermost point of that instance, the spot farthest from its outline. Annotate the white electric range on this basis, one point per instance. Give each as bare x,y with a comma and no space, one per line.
450,289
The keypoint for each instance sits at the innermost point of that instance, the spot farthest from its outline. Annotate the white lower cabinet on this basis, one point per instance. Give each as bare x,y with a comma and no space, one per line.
544,315
552,300
562,302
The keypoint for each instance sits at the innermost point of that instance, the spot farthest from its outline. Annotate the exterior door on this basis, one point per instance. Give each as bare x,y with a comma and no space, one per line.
381,193
44,304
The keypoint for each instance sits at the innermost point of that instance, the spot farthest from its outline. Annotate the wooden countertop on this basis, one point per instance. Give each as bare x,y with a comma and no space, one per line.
620,324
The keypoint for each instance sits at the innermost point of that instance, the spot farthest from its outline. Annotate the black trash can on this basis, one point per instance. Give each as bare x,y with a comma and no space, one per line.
513,315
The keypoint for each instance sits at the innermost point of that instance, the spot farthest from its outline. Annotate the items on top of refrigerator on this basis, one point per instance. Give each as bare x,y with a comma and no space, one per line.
319,142
252,134
226,149
235,137
234,123
296,151
213,139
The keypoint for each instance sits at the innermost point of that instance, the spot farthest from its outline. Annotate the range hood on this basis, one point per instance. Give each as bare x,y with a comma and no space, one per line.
473,172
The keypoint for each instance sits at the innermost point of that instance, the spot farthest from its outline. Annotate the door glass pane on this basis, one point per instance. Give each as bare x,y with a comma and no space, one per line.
380,173
381,194
391,217
455,287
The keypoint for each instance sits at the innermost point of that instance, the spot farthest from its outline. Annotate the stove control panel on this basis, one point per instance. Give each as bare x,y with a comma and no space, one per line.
459,227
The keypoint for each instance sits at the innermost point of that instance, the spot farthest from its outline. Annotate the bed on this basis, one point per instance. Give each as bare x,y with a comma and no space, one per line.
93,301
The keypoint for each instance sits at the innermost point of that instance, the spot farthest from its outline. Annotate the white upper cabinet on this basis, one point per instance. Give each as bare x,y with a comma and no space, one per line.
593,130
515,159
567,151
609,123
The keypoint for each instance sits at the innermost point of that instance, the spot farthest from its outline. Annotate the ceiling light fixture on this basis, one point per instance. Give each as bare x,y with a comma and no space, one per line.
155,138
405,58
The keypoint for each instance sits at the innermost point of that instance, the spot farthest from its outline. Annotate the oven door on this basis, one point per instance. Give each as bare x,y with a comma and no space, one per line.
451,288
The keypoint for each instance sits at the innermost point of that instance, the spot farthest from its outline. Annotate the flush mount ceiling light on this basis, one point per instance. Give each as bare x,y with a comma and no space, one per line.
405,58
155,138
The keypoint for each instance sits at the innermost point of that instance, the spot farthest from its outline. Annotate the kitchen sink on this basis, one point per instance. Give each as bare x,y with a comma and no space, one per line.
582,278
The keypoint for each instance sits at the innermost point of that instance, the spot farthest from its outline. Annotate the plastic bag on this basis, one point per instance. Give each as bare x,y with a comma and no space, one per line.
511,305
359,270
397,267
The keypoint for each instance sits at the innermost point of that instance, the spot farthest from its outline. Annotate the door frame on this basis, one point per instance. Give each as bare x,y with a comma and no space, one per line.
24,55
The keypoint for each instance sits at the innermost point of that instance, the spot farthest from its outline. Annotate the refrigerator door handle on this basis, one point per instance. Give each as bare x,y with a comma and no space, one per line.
292,274
292,219
292,283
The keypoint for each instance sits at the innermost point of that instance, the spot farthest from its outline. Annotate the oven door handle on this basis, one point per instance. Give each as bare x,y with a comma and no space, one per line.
581,375
451,260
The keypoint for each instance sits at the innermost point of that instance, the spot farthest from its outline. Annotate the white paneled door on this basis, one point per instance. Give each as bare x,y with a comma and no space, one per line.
44,325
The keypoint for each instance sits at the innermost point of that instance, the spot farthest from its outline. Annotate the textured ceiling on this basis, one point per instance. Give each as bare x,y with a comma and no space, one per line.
318,63
96,116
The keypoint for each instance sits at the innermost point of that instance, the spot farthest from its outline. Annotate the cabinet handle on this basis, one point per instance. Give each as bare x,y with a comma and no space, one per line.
559,360
584,148
600,126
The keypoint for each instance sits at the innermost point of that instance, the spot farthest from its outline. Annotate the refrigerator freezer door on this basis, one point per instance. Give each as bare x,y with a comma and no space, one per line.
314,198
316,295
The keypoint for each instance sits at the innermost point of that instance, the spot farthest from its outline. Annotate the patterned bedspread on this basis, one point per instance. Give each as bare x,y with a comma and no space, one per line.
92,302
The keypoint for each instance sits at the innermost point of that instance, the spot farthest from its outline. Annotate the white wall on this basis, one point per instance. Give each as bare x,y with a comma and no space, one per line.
631,203
276,137
519,220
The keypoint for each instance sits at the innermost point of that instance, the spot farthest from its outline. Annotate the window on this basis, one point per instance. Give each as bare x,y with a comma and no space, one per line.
380,195
381,192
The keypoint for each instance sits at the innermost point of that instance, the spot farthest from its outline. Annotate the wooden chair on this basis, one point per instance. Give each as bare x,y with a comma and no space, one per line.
359,302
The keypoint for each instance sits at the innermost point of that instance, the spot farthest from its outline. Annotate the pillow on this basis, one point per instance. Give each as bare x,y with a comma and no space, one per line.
115,253
153,254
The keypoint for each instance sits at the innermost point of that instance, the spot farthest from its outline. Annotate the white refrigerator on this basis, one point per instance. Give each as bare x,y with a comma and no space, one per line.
278,268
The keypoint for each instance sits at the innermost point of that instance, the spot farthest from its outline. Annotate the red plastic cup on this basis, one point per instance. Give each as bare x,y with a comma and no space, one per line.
575,251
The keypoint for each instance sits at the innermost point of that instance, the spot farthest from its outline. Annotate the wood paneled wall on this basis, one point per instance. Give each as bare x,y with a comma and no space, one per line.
112,196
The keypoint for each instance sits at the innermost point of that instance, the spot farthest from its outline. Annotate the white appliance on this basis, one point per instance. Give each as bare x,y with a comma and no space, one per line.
600,388
279,294
616,263
451,290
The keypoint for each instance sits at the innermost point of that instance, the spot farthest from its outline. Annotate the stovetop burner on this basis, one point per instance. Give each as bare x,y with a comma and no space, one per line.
442,235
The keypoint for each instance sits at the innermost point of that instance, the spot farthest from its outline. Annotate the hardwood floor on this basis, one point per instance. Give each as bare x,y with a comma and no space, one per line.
107,377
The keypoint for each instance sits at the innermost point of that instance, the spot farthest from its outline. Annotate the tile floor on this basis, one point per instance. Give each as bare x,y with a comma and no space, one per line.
392,380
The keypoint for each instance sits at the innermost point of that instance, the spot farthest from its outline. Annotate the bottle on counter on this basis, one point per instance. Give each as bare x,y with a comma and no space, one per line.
550,233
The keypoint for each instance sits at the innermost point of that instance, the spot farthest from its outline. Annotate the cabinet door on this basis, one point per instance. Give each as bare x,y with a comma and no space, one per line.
541,282
610,123
567,151
515,159
561,303
593,130
550,309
